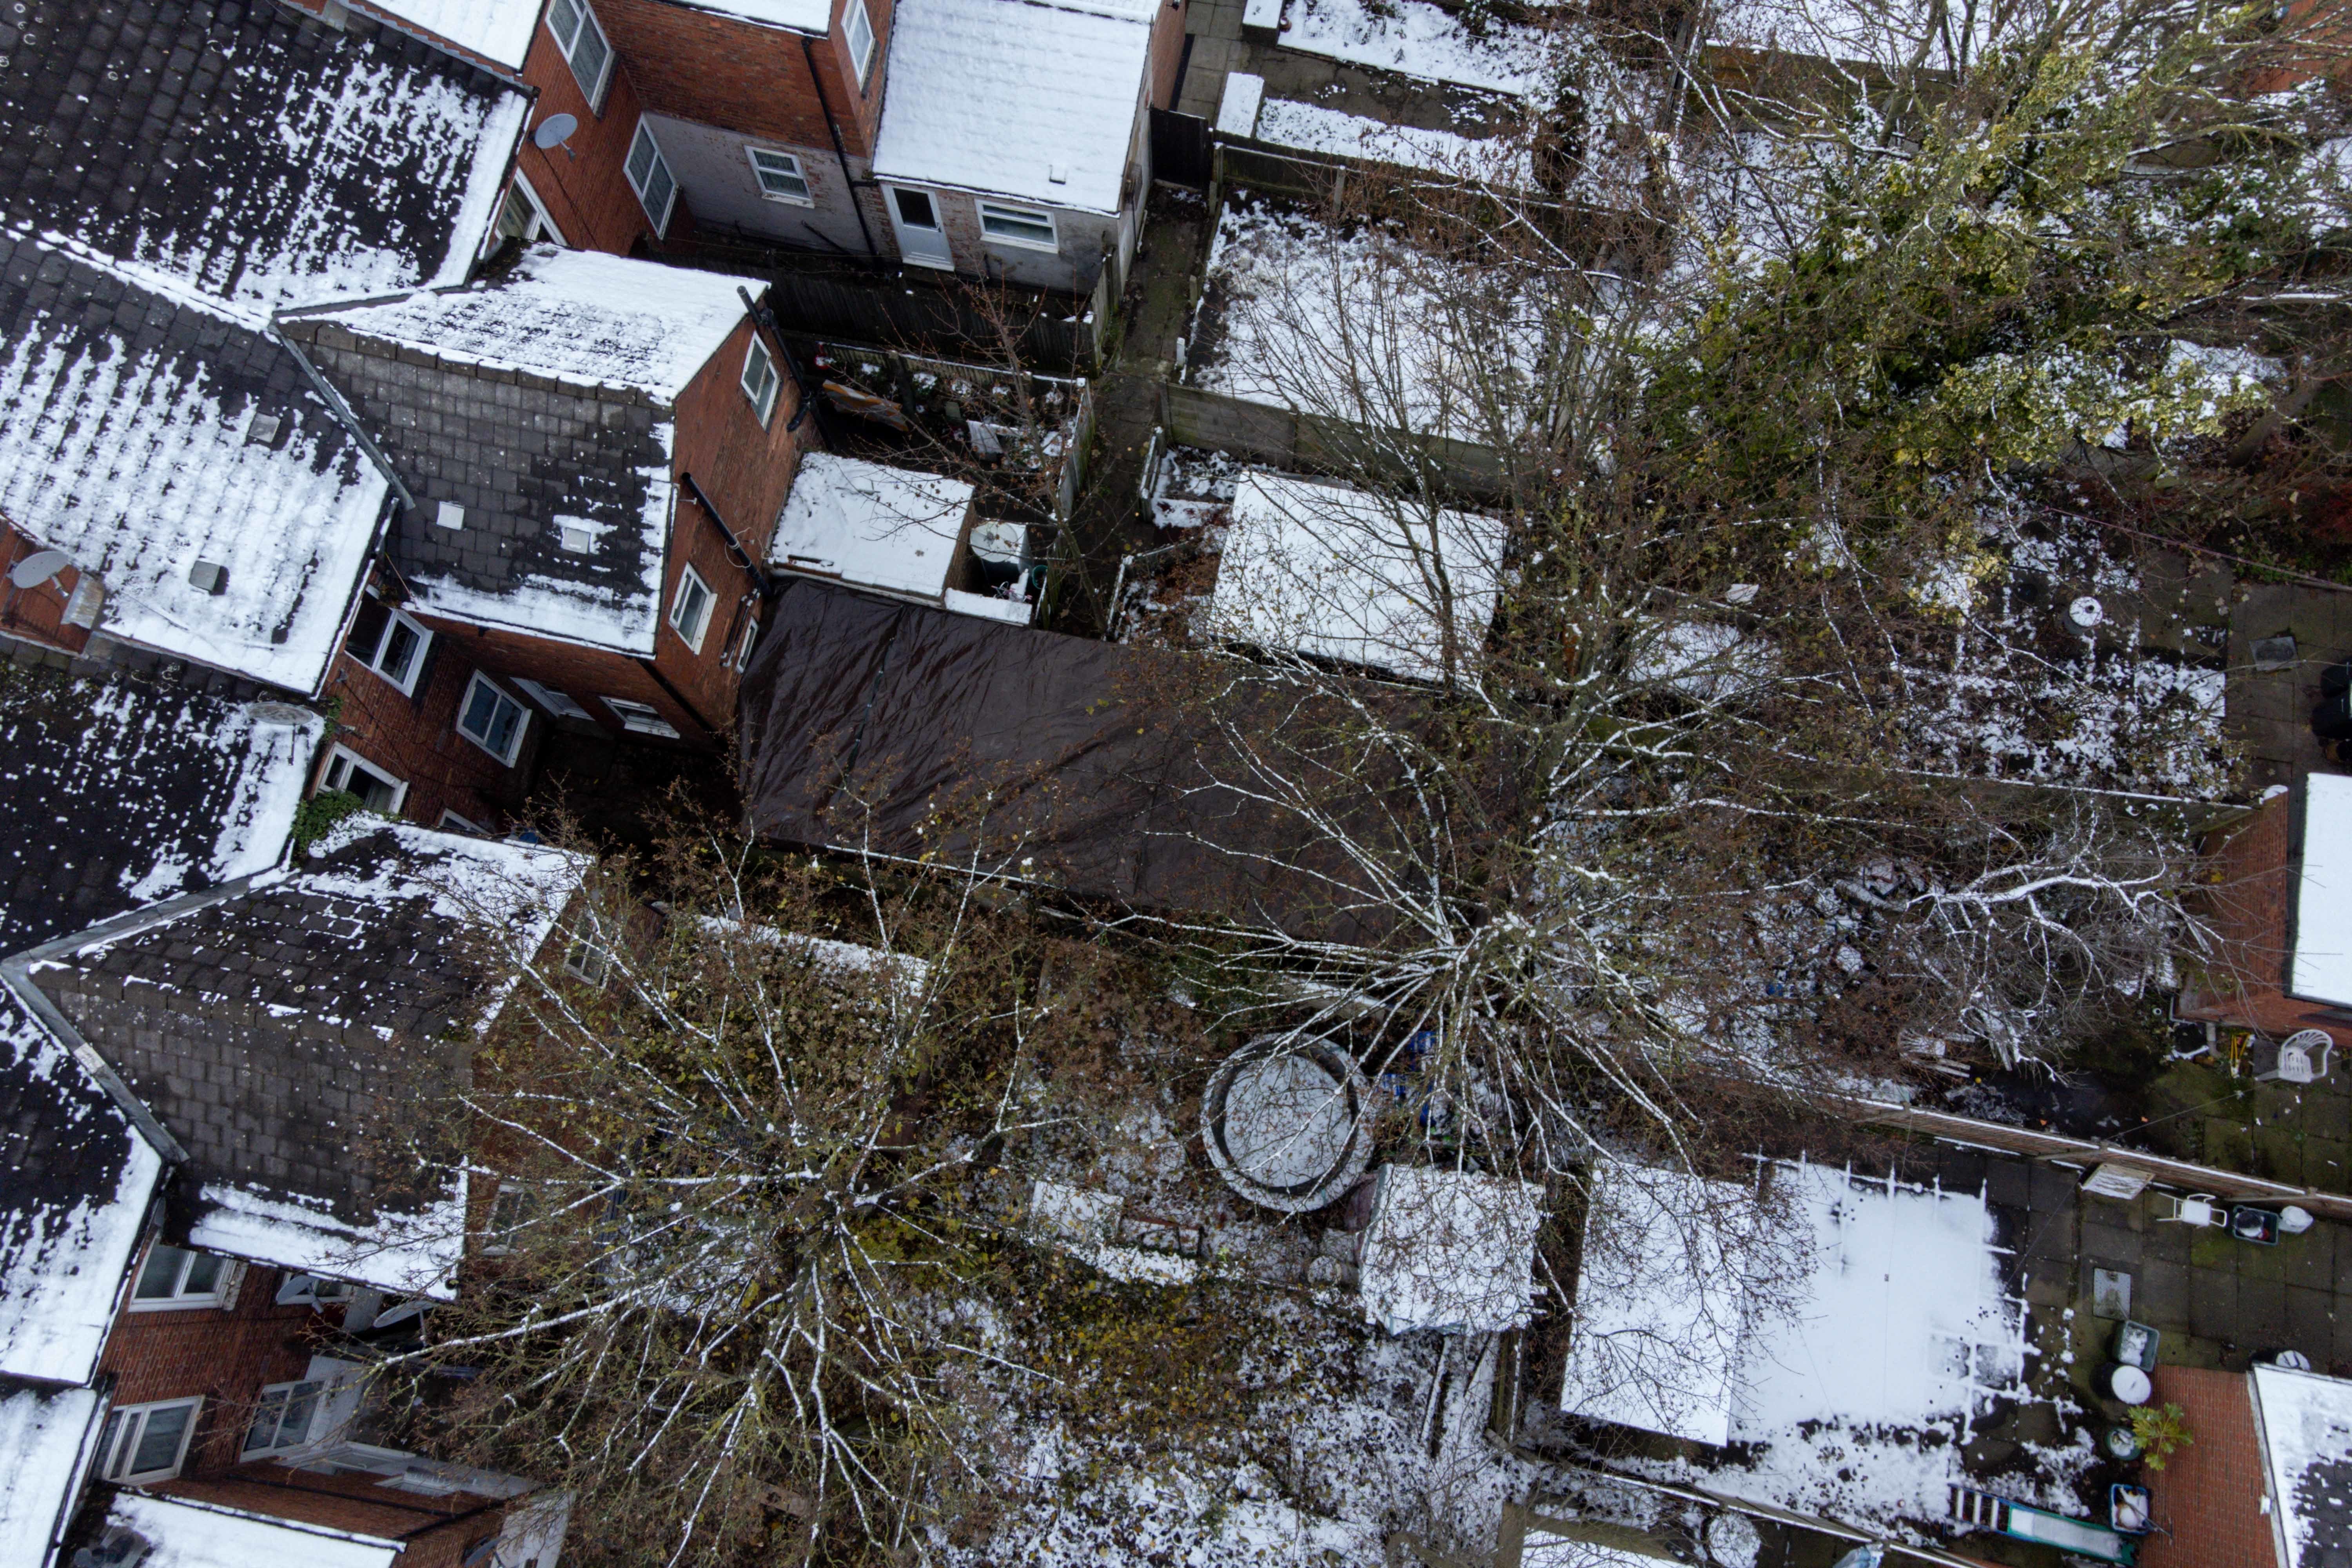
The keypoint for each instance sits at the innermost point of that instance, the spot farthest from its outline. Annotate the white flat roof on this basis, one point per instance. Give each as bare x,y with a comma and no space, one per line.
1000,96
1342,573
2306,1428
185,1533
1452,1250
2320,967
872,525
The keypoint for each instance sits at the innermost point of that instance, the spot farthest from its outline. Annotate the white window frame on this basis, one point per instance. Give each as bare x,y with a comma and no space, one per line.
806,195
344,754
539,220
594,91
127,1424
452,823
312,1290
762,393
677,604
588,956
393,617
1026,214
180,1298
512,1206
286,1392
522,719
641,718
561,704
645,135
857,31
746,644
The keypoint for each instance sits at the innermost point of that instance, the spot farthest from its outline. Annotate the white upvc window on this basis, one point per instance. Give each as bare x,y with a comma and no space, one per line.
781,177
1029,227
390,643
858,28
377,790
589,957
282,1418
747,642
760,380
312,1290
547,697
174,1277
522,215
452,823
576,33
144,1443
492,719
649,176
641,718
515,1206
689,607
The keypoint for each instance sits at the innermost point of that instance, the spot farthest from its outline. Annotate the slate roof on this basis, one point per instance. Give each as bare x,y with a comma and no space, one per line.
216,784
534,401
278,1031
144,432
257,155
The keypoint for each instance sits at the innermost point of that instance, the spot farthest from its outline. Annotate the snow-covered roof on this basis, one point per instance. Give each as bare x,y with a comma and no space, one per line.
872,525
347,985
181,1532
2307,1431
1873,1331
144,433
43,1436
81,1178
1452,1250
2320,968
1003,96
1314,128
1662,1298
253,154
578,316
538,467
1417,39
217,783
1343,573
497,30
812,17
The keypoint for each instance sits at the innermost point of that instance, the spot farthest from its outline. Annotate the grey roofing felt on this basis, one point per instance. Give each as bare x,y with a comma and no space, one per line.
249,1027
517,451
141,434
259,154
115,793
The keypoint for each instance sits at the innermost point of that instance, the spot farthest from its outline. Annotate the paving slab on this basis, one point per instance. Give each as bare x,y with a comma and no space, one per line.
2213,1304
2261,1321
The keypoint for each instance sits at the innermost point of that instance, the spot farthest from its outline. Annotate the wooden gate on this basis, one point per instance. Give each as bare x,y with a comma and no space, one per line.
1179,149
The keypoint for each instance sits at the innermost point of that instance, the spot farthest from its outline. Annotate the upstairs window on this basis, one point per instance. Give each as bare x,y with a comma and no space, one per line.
390,643
554,701
281,1420
146,1442
1018,226
858,28
780,178
689,609
760,378
649,176
174,1277
492,719
377,790
641,718
584,46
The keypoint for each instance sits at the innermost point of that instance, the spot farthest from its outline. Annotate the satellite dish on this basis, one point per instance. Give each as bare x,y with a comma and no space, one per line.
555,130
38,567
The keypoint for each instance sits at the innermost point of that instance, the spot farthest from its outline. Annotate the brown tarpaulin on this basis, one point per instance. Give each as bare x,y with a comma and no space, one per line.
877,725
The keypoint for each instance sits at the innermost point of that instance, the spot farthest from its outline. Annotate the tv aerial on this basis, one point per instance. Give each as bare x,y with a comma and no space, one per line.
555,130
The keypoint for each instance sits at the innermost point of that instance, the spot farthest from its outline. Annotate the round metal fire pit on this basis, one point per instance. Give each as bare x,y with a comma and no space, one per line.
1288,1125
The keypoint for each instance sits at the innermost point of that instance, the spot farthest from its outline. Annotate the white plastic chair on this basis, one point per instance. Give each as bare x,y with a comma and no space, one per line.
2195,1208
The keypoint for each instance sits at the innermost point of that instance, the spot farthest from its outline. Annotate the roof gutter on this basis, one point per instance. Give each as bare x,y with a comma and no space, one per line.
743,557
841,154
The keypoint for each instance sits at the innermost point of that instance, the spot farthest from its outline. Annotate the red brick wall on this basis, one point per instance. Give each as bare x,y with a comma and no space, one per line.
1167,53
2208,1499
2246,898
583,674
586,190
224,1356
745,470
437,1529
719,70
416,739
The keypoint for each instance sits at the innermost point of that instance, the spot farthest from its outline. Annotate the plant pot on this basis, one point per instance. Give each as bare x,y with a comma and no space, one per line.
2121,1443
2125,1385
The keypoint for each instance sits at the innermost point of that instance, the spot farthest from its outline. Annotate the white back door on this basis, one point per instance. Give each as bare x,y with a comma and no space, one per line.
915,219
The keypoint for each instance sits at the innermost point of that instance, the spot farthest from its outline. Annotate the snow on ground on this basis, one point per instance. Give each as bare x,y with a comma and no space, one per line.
1349,323
1892,34
2048,678
1414,37
1311,128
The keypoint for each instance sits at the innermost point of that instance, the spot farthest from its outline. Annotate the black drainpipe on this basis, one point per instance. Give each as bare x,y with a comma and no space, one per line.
808,53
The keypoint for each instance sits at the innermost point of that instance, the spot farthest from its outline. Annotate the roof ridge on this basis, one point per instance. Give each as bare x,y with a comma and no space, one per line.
137,275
